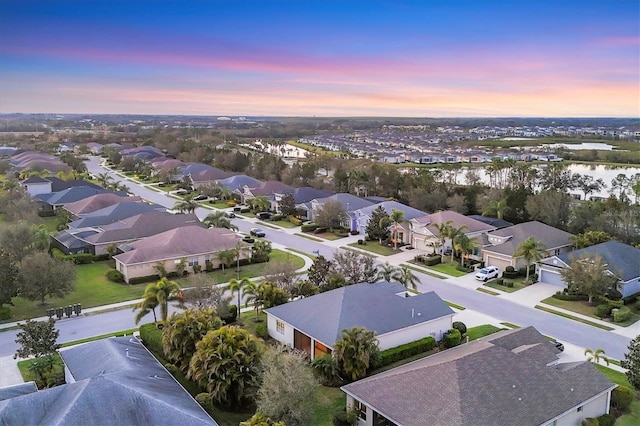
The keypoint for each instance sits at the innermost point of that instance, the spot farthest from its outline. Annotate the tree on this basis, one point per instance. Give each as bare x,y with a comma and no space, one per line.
203,293
590,275
587,184
454,234
396,217
319,271
355,267
254,294
590,238
355,351
497,208
41,237
632,363
182,331
237,286
226,257
378,225
596,356
287,204
40,276
37,338
271,295
550,207
330,215
226,364
104,179
8,278
443,232
219,220
259,419
386,272
282,273
465,245
260,203
288,387
187,204
260,251
406,277
531,250
158,295
17,240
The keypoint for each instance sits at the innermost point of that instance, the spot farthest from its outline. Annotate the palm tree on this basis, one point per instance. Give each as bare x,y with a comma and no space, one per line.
444,229
355,350
187,204
219,220
406,277
237,286
531,250
158,295
254,293
226,257
104,179
497,208
596,356
396,217
453,234
261,203
465,245
386,272
41,237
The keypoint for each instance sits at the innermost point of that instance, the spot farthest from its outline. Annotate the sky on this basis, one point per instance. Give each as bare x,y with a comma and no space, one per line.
427,58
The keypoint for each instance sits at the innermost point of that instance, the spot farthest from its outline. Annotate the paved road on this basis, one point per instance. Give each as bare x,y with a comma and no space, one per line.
561,328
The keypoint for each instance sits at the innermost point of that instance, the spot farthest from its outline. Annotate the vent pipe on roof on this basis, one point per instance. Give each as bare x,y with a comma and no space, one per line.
412,312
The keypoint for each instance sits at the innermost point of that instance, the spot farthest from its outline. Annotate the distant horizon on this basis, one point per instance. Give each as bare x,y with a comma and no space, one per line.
282,58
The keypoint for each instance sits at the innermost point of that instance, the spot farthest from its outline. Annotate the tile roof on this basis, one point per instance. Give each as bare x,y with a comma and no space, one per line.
622,259
97,202
504,379
180,242
374,306
551,237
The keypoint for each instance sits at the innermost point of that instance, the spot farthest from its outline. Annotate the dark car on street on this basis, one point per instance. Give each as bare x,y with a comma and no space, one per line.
257,232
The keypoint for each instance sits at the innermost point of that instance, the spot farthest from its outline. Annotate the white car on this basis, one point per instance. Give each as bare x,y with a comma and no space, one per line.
487,273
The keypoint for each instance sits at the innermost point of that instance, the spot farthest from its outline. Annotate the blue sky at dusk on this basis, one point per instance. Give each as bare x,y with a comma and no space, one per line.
329,58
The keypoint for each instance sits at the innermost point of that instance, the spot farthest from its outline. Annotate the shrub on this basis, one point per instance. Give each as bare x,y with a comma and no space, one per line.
320,230
603,311
326,370
621,314
232,316
523,271
432,260
460,326
276,217
245,210
231,203
510,273
308,227
5,313
621,397
614,294
197,269
391,355
295,220
500,281
452,338
465,269
509,269
419,258
46,213
589,421
151,336
361,242
570,296
204,399
354,232
509,284
114,276
249,240
261,330
171,368
606,420
145,279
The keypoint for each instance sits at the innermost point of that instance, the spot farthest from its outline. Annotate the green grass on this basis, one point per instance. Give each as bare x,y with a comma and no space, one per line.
454,305
23,366
266,224
248,320
100,337
562,314
309,237
447,268
510,325
376,248
91,289
330,236
284,224
312,256
327,402
484,290
517,285
481,331
583,307
424,271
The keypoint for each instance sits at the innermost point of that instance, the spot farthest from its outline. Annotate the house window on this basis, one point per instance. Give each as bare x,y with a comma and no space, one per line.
120,267
580,408
556,252
207,258
279,326
193,261
361,409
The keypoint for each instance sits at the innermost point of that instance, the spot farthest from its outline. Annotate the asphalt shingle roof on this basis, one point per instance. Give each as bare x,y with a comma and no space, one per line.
389,206
114,213
623,259
97,202
551,237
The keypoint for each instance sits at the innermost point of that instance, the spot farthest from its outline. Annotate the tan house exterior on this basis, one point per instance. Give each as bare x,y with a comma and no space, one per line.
192,243
424,231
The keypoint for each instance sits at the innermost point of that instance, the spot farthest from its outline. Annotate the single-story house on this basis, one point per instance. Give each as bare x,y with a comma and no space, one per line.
265,189
349,202
55,200
315,323
114,213
301,196
622,260
363,216
510,378
193,243
96,202
500,245
424,229
238,182
108,381
493,221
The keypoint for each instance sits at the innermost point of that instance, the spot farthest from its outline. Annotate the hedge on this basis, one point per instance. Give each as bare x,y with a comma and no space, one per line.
277,217
308,227
295,220
570,297
622,397
510,274
603,311
115,276
464,269
151,336
621,314
78,259
452,338
5,313
320,230
145,279
401,352
432,260
606,420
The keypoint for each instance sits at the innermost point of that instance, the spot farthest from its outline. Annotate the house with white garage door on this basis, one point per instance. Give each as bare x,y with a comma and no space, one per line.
500,245
622,260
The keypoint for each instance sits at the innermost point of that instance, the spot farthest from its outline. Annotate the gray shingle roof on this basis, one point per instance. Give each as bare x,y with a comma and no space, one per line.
238,182
114,213
456,219
69,195
623,259
500,380
389,206
20,389
97,202
551,237
305,194
375,306
353,202
118,382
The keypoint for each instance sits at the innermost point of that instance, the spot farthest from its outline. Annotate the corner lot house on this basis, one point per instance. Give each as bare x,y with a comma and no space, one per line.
622,260
509,378
112,381
315,323
501,244
193,243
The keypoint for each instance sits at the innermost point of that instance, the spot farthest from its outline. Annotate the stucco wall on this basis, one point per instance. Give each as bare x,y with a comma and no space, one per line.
595,408
417,332
286,338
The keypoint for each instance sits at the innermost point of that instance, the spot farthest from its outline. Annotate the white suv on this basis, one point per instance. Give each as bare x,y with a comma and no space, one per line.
487,273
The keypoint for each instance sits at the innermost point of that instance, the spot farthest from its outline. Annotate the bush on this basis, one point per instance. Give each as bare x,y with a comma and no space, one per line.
589,421
500,281
509,269
78,259
171,368
5,313
145,279
606,420
277,217
326,370
614,294
391,355
308,227
231,203
465,269
570,296
354,232
232,316
461,327
320,230
295,220
261,330
523,271
510,273
361,242
46,213
452,338
249,240
621,314
432,260
114,276
603,311
204,399
245,210
621,398
151,336
509,284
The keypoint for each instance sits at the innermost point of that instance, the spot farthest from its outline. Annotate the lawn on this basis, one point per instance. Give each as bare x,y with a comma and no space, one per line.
23,366
562,314
484,290
284,224
91,289
329,236
517,285
376,248
424,271
327,402
481,331
632,418
583,307
309,237
448,268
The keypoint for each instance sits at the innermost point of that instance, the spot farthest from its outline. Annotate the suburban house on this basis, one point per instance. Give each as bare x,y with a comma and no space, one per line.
349,202
97,240
108,381
55,200
114,213
238,182
36,185
622,260
96,202
202,174
265,189
301,197
493,221
192,243
510,378
363,216
315,323
424,229
500,245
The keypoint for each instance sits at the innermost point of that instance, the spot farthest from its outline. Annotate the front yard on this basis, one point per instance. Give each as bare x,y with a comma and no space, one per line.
584,308
376,248
448,268
517,285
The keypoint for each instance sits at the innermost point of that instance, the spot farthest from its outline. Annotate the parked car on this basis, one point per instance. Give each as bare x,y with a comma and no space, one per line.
230,215
201,198
257,232
559,346
263,215
487,273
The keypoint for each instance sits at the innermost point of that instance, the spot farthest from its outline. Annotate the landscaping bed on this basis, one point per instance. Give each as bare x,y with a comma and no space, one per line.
517,285
374,247
583,307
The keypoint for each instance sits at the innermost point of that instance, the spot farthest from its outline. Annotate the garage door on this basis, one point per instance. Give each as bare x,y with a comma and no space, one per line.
551,277
500,263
